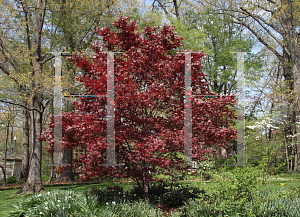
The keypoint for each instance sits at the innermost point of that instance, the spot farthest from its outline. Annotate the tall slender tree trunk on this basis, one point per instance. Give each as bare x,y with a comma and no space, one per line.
67,175
294,146
35,16
34,180
4,175
26,139
296,74
292,159
287,153
146,190
295,66
51,154
52,168
5,153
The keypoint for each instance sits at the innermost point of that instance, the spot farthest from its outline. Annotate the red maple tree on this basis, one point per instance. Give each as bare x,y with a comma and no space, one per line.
149,106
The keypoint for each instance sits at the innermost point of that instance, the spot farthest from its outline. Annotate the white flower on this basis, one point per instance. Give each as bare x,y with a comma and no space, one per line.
58,201
113,202
46,208
41,213
46,203
106,203
58,205
69,197
39,195
134,195
48,193
63,207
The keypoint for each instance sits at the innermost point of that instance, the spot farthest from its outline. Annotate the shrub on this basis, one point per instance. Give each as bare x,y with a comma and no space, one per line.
156,189
205,175
233,193
11,180
176,195
168,194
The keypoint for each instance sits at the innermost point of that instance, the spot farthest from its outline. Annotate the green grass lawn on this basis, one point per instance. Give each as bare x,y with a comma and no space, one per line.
9,197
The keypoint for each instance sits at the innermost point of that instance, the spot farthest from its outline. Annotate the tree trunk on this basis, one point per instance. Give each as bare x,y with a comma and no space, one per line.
224,153
35,16
146,190
5,153
296,73
34,180
296,158
52,168
287,153
294,147
68,174
292,159
26,138
294,67
4,176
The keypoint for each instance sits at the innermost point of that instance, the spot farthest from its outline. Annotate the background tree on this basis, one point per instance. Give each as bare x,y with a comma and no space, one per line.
8,115
275,25
28,31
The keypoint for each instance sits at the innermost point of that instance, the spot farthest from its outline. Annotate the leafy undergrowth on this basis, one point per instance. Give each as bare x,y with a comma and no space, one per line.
116,202
238,192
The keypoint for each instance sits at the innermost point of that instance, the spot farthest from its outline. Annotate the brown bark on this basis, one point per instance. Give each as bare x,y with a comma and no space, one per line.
5,153
26,138
68,174
34,180
51,154
176,8
146,190
224,153
35,24
52,168
4,175
287,153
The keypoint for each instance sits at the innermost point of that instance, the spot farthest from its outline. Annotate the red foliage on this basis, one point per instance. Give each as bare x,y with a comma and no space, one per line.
148,80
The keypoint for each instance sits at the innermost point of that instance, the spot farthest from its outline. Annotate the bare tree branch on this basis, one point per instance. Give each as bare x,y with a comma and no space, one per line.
17,104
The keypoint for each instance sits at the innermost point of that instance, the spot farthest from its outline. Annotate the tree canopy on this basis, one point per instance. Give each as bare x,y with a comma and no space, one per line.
149,82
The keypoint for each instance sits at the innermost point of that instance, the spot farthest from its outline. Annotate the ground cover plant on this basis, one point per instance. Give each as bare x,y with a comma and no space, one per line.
238,192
